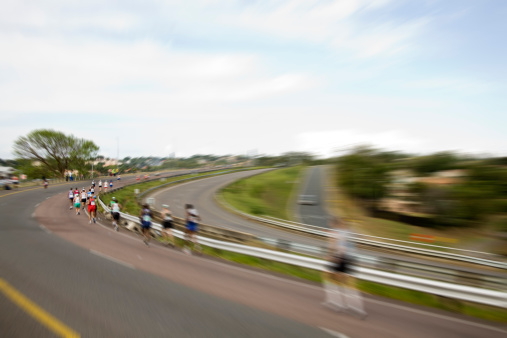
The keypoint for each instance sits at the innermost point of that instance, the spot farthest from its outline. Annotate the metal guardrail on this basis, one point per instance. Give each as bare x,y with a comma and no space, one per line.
398,265
362,239
449,290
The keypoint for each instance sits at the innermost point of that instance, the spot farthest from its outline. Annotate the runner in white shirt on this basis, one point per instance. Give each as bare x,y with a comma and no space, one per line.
339,284
71,198
115,208
83,198
100,186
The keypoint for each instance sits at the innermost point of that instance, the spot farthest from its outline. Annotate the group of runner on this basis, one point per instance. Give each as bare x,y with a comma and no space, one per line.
80,200
339,285
105,184
192,220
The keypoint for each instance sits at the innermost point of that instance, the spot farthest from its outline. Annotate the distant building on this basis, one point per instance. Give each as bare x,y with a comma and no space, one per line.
6,172
401,197
109,162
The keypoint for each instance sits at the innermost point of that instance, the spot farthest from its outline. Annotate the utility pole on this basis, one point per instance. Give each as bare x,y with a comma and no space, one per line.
117,155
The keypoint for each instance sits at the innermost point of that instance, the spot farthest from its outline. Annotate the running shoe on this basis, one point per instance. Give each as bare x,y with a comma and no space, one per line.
94,220
116,228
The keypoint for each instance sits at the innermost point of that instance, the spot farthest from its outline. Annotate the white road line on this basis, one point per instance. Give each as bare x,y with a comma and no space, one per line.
37,205
45,229
112,259
334,333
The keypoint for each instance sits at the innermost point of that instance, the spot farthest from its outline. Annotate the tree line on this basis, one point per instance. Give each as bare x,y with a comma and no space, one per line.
366,174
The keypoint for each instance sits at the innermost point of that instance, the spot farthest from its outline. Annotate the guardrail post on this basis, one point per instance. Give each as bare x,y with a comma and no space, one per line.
283,244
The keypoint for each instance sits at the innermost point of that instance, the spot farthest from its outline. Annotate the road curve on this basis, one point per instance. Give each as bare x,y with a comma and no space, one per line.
107,284
201,194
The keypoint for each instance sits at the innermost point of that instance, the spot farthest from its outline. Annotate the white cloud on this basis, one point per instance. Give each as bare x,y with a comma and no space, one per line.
127,77
463,85
338,24
334,142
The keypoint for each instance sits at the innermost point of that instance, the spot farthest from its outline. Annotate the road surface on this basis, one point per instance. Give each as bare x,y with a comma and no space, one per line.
100,283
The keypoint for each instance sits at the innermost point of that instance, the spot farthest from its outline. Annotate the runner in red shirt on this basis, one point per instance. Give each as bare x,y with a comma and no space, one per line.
92,209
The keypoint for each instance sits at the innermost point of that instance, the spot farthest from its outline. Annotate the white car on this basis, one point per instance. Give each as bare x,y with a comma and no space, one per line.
307,199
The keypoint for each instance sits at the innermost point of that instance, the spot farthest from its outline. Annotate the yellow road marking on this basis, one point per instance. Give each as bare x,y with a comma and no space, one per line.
37,312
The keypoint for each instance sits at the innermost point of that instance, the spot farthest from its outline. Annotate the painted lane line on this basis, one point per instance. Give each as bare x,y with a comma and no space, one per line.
112,259
36,311
333,333
37,205
45,229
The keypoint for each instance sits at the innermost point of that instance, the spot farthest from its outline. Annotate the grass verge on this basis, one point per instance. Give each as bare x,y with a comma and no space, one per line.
265,194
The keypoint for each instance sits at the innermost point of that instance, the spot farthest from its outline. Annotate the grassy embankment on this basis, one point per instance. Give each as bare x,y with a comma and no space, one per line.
268,194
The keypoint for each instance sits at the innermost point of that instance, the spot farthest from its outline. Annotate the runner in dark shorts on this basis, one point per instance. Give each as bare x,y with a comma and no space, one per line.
339,286
145,217
83,198
168,225
192,217
71,198
115,211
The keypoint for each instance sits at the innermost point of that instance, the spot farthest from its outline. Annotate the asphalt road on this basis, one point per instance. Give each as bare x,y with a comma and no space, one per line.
61,268
101,283
313,185
201,194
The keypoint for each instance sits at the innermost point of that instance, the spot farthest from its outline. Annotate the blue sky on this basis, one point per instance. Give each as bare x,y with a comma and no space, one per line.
232,76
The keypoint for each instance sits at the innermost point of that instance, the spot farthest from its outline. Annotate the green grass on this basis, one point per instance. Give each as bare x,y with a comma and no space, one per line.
265,194
425,299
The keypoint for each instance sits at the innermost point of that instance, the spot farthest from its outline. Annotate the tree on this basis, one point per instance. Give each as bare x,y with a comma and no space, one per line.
425,165
363,173
55,151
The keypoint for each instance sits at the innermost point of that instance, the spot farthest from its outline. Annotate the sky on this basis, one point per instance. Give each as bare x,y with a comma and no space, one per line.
155,77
